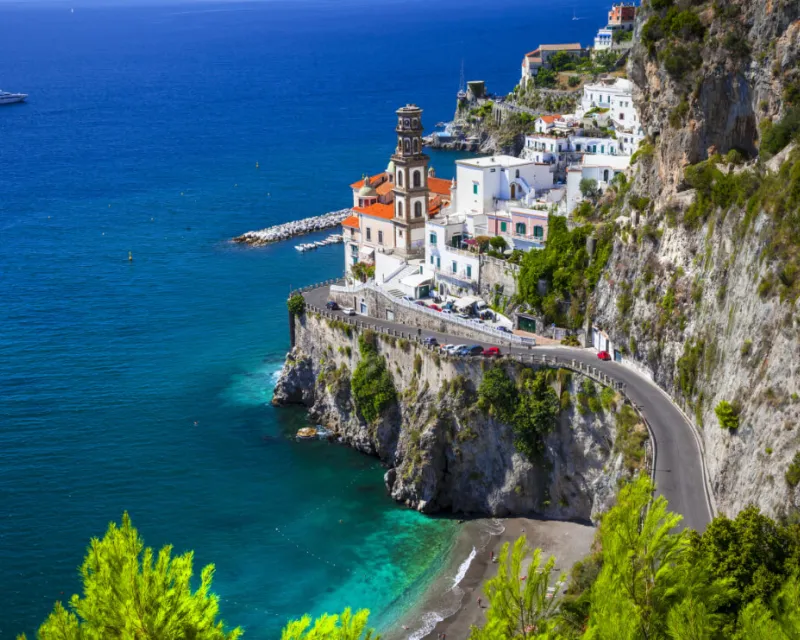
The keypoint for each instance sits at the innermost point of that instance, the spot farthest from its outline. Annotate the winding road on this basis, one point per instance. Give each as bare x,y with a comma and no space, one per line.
679,469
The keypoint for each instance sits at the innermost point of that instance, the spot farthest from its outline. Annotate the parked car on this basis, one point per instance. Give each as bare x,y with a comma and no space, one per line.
435,307
430,341
348,311
492,352
457,349
463,315
331,304
503,329
604,355
487,315
420,303
474,350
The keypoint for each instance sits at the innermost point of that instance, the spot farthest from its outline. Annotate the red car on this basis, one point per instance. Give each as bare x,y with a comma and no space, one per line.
435,307
491,352
604,355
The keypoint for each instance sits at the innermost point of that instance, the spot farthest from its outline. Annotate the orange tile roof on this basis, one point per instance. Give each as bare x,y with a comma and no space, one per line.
549,119
373,179
377,210
434,205
350,221
439,185
533,54
385,188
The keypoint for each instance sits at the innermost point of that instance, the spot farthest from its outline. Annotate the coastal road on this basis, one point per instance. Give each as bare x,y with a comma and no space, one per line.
679,471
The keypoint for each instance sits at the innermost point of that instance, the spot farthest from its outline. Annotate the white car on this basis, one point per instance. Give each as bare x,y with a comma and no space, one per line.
348,311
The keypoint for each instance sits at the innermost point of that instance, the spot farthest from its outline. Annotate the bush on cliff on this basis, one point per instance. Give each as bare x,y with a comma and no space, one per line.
728,415
296,304
530,408
372,385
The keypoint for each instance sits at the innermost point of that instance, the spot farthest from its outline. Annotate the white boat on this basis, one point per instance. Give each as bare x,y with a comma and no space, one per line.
300,247
12,98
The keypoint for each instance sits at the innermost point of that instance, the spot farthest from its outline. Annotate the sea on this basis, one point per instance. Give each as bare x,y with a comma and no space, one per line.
139,347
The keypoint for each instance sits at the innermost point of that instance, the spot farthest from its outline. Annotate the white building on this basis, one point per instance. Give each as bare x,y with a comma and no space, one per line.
601,169
614,95
604,39
456,270
484,181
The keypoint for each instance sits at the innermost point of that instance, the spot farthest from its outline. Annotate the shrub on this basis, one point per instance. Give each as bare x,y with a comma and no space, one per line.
747,347
646,151
728,415
631,436
652,32
296,304
775,136
588,187
571,341
608,398
574,81
736,44
793,472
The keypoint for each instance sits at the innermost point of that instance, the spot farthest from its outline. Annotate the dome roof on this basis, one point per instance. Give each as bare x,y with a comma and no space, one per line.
391,168
367,191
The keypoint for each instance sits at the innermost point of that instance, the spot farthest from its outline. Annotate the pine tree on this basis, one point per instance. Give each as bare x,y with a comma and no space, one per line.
520,607
128,594
342,627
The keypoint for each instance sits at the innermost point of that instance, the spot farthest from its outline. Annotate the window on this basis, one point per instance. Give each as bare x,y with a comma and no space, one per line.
492,170
416,122
503,227
355,259
538,232
578,147
520,229
399,208
400,233
369,233
602,148
407,122
417,178
416,145
438,262
605,175
621,115
433,238
469,271
432,260
380,237
399,178
407,145
417,209
354,249
475,188
517,174
455,266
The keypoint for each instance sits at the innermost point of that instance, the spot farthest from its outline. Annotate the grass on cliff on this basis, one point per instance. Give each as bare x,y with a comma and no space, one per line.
756,190
372,385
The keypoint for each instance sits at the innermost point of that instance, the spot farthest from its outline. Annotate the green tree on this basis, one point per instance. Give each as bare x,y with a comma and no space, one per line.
129,594
498,243
588,187
347,626
522,601
296,304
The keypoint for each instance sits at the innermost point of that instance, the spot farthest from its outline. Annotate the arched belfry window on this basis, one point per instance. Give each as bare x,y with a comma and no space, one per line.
406,145
399,208
407,122
417,209
416,122
417,178
416,145
399,178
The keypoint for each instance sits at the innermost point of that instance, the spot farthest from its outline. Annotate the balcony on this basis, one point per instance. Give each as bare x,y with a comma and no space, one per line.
460,277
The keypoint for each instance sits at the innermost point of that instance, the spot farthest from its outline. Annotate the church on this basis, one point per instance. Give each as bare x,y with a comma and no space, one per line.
390,209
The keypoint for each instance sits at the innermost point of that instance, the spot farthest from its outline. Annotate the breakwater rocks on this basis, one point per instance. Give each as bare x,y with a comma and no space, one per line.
291,229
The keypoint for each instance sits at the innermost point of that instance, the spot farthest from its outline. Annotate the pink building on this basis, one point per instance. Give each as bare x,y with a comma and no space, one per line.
525,228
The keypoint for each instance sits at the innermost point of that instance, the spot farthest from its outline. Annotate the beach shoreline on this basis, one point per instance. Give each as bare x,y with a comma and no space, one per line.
450,604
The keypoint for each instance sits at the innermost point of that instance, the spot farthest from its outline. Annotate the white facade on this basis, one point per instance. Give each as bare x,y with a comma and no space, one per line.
604,39
457,271
616,96
602,169
483,181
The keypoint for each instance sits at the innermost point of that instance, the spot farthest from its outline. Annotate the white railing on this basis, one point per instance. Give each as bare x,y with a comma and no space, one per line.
450,318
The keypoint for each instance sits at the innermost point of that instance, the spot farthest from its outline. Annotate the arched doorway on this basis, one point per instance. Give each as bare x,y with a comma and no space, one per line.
513,191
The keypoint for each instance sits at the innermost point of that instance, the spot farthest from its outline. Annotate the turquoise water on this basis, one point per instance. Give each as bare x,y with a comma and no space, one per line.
144,386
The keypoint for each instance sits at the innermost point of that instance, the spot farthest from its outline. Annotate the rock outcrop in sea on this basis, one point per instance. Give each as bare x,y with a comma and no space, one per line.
295,228
444,453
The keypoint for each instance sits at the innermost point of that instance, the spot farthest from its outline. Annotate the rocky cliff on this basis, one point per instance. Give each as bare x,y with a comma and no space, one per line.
446,453
703,283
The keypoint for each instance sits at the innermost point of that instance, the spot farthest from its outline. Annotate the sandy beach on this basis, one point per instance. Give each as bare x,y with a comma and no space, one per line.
452,608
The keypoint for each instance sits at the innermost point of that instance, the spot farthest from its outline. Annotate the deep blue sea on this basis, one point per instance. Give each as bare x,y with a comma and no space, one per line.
144,386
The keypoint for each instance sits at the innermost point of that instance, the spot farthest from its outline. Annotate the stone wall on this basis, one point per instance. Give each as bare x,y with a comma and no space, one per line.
498,277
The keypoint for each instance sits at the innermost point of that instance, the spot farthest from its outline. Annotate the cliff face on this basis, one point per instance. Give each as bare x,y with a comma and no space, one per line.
443,452
701,288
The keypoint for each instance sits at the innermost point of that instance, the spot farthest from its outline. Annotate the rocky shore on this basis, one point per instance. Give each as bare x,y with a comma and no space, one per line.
291,229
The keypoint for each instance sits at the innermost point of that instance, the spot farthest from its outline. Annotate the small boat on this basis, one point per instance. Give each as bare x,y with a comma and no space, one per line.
323,433
306,433
300,247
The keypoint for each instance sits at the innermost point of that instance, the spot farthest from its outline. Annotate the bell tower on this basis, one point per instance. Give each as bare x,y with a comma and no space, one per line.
410,183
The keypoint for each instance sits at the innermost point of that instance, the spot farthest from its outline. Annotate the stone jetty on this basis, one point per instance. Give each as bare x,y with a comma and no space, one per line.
292,229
